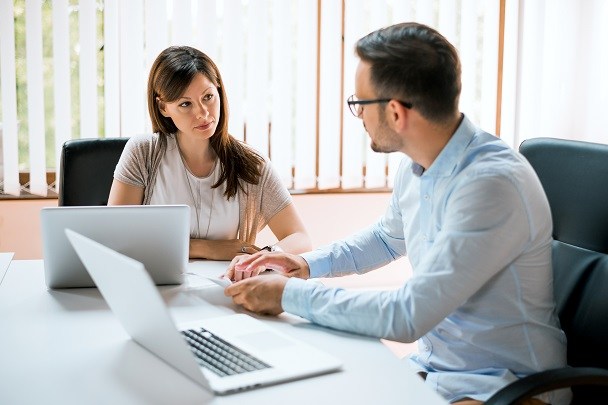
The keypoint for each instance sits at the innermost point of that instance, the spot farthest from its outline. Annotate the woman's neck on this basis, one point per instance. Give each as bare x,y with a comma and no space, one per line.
197,154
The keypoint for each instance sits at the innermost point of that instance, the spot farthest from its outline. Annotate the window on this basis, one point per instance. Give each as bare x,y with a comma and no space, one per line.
73,69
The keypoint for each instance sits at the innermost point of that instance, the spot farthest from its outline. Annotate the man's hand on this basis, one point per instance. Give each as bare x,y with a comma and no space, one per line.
261,294
290,265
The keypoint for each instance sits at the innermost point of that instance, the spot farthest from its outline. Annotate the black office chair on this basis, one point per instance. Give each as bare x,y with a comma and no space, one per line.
574,175
87,170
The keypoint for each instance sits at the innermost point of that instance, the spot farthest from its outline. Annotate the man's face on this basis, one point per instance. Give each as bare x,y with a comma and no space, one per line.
383,138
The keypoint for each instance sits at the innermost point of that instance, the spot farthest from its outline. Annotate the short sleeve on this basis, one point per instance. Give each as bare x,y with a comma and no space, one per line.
275,195
134,161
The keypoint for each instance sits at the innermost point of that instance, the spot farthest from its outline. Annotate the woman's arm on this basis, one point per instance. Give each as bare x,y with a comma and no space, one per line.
219,249
289,230
286,226
125,194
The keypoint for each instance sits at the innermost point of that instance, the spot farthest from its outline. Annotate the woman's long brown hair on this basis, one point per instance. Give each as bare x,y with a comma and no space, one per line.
170,75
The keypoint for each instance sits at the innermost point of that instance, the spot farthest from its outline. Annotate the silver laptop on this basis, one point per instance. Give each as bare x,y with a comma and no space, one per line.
225,354
157,235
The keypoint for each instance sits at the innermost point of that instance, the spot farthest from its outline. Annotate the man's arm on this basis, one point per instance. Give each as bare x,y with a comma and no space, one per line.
470,250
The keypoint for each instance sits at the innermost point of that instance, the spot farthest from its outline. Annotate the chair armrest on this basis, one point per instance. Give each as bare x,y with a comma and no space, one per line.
548,380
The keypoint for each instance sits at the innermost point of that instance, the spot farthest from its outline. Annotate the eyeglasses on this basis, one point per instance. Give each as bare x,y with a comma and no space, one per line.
355,105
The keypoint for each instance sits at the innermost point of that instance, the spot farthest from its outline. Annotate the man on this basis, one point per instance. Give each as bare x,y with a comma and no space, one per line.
469,212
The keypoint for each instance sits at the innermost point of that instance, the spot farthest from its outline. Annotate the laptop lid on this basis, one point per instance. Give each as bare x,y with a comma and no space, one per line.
157,235
136,302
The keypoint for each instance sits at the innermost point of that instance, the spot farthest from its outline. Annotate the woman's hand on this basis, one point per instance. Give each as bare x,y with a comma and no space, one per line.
247,266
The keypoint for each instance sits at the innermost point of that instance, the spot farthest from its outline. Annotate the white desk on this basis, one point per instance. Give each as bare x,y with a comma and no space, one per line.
66,347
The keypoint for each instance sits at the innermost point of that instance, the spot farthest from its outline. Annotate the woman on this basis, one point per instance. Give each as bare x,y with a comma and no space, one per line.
191,159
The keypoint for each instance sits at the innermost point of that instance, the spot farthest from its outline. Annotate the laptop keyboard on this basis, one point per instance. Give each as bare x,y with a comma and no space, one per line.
217,355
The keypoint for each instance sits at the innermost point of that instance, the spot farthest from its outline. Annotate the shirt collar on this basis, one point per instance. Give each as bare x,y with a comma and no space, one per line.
450,155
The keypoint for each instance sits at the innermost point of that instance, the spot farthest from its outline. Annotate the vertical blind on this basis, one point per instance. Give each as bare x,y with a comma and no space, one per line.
555,79
288,67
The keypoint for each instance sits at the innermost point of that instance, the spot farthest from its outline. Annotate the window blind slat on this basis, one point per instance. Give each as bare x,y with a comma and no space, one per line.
181,28
447,20
425,13
111,55
232,64
489,70
206,34
594,84
402,11
375,163
132,72
355,140
468,58
529,109
87,23
281,115
10,152
256,101
156,26
553,98
156,30
509,114
306,95
330,96
61,84
35,96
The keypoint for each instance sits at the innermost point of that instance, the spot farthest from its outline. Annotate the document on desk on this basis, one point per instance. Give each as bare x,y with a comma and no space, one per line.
5,261
222,282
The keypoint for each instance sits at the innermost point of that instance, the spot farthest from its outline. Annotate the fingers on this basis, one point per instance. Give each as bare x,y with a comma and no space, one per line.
259,294
235,272
243,267
229,274
249,272
279,261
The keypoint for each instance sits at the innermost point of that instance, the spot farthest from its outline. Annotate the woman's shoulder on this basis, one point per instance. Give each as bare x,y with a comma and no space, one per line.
144,140
145,143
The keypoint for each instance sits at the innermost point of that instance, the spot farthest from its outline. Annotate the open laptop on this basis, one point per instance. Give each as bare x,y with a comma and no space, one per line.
225,354
157,235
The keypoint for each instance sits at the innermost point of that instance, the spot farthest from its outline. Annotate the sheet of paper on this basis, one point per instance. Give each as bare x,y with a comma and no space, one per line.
222,282
5,261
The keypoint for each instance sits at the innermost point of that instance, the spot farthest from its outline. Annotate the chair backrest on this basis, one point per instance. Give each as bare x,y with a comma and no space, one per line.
574,175
87,170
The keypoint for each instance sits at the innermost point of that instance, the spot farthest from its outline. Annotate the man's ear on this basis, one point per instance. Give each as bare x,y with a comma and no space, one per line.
162,107
396,115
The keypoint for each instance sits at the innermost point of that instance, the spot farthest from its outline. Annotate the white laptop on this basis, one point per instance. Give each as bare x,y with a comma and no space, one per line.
226,354
157,235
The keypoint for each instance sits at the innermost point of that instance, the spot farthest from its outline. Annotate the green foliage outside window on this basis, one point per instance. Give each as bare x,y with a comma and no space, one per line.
48,77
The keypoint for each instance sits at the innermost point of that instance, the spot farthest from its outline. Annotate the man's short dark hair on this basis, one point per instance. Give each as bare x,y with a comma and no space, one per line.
413,62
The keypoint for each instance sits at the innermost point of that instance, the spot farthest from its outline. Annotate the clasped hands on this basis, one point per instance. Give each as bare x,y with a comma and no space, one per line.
263,293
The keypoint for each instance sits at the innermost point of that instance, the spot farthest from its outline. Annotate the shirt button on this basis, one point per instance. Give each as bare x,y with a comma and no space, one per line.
423,237
426,197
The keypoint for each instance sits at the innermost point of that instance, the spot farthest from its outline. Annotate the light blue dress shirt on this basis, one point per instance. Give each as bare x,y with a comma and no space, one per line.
476,227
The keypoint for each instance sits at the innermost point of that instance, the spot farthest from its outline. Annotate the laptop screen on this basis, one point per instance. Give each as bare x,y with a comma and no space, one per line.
156,235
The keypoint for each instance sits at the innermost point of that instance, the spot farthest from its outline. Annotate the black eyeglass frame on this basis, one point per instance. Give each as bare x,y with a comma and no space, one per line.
352,104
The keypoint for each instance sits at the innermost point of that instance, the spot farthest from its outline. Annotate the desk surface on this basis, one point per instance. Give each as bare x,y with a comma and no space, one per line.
66,347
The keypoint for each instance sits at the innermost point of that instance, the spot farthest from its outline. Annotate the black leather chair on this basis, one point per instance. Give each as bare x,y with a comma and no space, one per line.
87,170
574,175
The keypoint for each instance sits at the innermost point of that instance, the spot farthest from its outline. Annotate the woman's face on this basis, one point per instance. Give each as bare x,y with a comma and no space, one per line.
196,112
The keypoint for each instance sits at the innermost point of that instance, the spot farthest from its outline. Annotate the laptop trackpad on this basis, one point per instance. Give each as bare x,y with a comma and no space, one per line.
266,340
